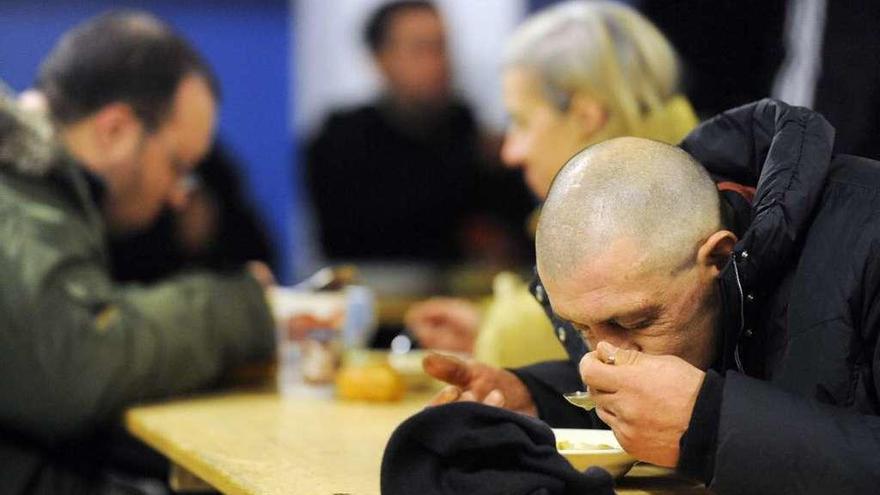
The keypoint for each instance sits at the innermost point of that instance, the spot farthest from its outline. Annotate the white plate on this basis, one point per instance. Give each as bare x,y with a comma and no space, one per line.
615,460
409,365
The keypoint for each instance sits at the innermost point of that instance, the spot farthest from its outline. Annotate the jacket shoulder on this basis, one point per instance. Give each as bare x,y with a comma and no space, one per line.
349,119
855,170
39,228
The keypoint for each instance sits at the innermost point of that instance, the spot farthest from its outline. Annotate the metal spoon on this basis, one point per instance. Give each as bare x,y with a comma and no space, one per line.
582,399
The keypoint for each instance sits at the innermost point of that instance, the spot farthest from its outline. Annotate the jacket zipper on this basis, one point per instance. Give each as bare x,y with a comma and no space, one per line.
742,316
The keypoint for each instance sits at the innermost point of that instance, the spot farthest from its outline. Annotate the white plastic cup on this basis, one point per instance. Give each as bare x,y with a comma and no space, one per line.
309,333
312,331
360,316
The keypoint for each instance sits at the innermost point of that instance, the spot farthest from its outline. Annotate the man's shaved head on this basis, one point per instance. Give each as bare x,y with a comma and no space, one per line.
627,190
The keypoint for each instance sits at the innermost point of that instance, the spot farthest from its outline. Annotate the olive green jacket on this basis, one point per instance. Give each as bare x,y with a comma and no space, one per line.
75,347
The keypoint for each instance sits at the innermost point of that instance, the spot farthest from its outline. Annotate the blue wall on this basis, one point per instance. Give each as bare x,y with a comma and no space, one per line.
248,44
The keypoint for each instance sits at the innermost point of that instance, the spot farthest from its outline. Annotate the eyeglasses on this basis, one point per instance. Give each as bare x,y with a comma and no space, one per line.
189,183
187,180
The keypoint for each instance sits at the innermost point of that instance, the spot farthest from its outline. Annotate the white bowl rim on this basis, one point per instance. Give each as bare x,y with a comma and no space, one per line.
614,444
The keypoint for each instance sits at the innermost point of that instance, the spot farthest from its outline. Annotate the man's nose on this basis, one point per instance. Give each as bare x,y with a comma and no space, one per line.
617,339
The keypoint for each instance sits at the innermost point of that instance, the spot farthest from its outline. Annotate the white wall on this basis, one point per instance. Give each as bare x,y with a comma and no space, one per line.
333,69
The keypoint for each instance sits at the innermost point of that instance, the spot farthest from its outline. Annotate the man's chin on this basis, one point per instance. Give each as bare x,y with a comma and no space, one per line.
128,225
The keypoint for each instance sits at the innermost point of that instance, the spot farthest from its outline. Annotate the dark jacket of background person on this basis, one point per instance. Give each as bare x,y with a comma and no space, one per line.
791,405
848,89
77,348
234,233
386,186
732,50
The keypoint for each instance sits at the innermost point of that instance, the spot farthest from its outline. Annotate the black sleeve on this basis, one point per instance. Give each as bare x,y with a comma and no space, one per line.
241,234
697,445
337,163
772,441
547,382
322,160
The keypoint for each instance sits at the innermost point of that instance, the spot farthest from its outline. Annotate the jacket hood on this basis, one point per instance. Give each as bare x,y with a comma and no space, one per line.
785,153
27,141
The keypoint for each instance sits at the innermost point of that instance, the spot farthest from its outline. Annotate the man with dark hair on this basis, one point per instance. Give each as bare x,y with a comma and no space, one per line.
134,109
119,56
121,73
409,163
378,25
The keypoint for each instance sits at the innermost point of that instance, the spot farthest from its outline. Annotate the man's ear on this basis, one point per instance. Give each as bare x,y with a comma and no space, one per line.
588,113
383,61
117,130
715,251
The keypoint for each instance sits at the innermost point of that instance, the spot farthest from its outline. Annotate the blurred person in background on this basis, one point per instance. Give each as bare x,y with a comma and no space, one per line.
216,228
574,74
132,111
405,177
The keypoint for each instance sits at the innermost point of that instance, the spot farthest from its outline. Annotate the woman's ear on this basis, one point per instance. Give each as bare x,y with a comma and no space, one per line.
715,251
588,114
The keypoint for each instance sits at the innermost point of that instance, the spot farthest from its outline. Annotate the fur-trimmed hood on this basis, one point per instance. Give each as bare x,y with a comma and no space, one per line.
27,138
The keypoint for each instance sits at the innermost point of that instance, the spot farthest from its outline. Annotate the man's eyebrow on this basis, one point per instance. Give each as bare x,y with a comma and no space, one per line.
642,313
637,315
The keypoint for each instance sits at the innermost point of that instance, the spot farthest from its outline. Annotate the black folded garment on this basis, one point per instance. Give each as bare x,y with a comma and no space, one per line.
466,448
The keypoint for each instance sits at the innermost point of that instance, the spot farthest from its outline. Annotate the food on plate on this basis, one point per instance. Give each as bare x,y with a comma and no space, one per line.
569,445
370,382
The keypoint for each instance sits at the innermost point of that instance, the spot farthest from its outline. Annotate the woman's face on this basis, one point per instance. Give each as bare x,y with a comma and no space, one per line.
540,137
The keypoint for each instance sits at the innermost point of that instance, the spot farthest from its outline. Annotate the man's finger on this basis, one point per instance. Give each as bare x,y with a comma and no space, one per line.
606,401
600,376
494,398
446,395
611,354
468,396
448,369
607,417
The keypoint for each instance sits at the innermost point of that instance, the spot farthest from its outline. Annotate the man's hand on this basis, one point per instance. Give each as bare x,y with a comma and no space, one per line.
646,400
473,381
262,273
445,324
196,221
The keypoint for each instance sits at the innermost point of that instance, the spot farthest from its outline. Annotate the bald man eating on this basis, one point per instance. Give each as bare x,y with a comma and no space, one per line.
731,335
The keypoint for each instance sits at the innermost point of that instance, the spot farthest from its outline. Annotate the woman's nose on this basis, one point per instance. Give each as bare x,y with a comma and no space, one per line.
513,150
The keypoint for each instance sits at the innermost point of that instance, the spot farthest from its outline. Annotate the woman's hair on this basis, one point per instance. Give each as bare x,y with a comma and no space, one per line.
603,48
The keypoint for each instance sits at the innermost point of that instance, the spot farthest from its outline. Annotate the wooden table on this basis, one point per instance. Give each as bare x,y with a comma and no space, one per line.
260,443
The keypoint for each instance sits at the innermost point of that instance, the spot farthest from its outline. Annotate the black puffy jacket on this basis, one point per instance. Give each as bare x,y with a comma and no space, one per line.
792,404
